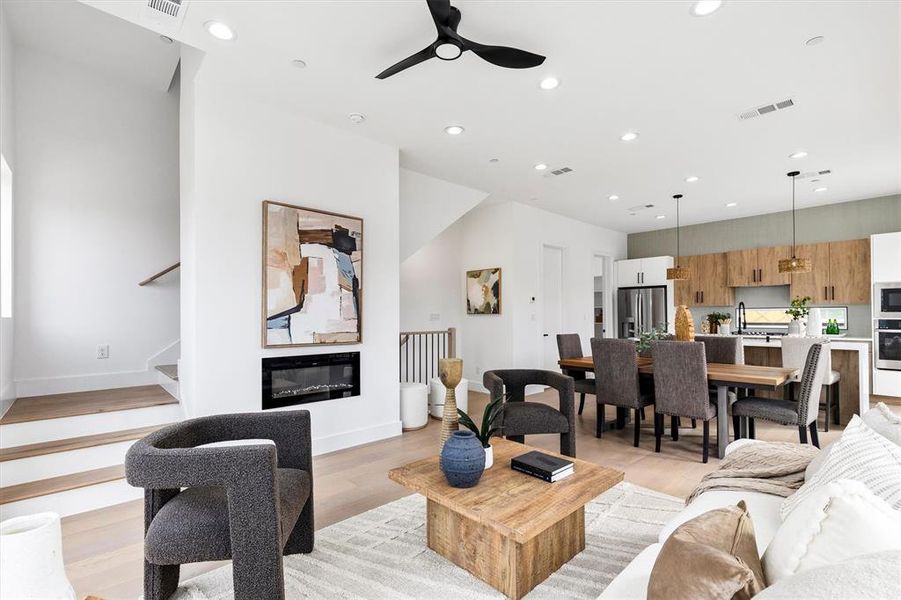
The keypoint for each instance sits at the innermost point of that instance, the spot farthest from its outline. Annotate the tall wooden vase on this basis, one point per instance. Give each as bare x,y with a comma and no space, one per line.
450,371
685,325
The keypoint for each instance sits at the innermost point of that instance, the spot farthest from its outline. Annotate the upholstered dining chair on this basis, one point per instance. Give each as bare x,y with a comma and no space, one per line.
569,345
727,350
803,413
617,382
794,354
680,388
208,498
520,418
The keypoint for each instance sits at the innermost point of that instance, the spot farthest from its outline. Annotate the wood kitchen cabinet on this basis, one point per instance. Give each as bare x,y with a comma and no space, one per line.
840,273
707,285
756,266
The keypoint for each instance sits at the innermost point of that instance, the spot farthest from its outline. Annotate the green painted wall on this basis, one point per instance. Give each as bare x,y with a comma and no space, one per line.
846,221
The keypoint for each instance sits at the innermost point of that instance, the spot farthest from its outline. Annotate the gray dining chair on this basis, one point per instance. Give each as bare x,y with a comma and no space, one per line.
727,350
681,389
520,418
208,499
794,353
569,345
617,382
803,413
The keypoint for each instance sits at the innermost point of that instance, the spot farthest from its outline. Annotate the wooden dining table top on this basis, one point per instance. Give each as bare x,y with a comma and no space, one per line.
740,375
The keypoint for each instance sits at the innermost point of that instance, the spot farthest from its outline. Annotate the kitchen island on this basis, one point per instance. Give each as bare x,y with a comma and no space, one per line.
850,357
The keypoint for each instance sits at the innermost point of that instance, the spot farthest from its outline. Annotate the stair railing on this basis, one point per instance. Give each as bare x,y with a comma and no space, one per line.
156,276
421,350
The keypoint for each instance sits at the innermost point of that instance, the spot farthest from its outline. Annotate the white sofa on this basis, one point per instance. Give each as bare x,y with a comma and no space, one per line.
632,582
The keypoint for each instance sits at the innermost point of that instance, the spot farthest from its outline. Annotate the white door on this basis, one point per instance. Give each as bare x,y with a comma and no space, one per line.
552,303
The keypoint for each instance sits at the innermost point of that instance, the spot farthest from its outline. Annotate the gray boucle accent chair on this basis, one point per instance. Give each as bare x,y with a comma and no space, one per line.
618,383
520,418
680,388
250,503
803,413
569,345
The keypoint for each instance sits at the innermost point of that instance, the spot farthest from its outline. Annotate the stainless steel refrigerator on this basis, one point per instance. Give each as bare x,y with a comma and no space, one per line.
640,309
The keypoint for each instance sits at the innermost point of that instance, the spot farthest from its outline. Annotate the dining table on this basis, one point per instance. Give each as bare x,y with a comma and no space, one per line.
722,376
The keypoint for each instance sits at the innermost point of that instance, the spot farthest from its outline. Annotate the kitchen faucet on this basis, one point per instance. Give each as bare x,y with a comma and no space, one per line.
742,318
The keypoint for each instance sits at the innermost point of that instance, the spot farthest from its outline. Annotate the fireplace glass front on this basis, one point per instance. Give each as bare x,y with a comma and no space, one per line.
291,380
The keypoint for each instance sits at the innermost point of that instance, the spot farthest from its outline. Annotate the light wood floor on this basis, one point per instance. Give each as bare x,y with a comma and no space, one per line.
103,550
38,408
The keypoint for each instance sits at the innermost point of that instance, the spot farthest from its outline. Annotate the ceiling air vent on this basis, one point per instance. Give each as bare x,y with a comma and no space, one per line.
766,109
559,172
638,207
812,174
166,13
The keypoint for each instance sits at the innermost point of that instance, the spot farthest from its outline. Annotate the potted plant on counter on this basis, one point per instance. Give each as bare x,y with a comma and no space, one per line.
800,308
715,319
488,428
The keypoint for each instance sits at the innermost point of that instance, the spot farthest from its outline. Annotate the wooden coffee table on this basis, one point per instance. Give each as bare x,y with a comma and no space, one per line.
511,530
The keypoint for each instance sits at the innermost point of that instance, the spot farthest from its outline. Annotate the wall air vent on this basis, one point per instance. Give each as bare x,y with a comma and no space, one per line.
559,172
169,14
766,109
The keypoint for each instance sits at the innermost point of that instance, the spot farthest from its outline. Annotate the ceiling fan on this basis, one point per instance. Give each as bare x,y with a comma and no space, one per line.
450,45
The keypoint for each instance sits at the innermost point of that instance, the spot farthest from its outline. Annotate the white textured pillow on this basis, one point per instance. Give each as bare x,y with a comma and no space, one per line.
868,577
837,521
860,454
884,422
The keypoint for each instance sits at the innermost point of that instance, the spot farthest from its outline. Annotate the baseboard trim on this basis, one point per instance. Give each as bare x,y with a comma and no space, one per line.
356,437
83,383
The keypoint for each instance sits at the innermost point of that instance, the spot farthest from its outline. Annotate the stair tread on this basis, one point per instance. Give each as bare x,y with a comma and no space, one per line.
170,371
37,408
75,443
63,483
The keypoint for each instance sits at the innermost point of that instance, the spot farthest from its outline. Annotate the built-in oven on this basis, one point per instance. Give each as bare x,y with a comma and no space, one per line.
887,341
888,301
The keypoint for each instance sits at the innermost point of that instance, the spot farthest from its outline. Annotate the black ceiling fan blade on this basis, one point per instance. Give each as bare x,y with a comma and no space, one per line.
502,56
415,59
441,12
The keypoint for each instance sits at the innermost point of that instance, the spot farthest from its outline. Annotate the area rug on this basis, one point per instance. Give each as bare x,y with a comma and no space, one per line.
382,553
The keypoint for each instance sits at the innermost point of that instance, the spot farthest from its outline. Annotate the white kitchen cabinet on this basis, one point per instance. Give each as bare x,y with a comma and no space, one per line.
885,257
642,271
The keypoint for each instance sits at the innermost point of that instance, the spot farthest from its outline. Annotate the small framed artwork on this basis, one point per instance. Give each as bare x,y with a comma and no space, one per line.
312,277
483,292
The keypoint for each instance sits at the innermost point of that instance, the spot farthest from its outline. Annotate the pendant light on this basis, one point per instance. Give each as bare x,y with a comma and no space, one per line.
678,273
794,264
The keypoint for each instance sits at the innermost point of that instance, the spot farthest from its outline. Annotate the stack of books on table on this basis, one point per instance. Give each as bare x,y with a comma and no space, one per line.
543,466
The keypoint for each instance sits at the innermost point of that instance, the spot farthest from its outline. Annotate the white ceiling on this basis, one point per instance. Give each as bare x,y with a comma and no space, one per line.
72,31
647,66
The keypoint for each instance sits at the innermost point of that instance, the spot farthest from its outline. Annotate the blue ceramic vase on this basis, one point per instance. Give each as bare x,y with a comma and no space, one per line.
462,459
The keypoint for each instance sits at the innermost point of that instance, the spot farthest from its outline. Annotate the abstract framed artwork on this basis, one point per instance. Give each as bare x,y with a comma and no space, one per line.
483,292
312,276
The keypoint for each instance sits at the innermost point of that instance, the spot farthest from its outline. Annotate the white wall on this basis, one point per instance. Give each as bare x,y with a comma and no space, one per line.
7,149
97,211
431,284
246,152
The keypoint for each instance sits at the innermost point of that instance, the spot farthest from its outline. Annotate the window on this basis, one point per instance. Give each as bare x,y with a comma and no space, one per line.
6,240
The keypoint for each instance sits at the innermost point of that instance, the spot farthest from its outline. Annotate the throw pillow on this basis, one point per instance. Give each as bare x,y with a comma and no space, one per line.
837,521
713,556
817,463
860,454
879,418
867,577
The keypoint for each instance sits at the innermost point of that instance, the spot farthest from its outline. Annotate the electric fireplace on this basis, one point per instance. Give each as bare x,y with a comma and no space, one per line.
291,380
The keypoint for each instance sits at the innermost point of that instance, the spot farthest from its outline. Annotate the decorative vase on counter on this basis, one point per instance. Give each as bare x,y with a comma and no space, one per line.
31,564
726,328
450,371
489,457
463,459
685,325
794,327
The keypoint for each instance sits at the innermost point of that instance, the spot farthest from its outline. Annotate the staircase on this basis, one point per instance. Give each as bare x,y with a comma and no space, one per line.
65,452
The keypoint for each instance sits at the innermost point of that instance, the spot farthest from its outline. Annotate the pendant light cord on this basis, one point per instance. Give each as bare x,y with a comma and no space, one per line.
678,248
793,216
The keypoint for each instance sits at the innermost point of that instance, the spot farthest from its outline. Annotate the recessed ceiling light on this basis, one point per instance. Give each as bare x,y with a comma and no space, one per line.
629,136
300,64
540,167
356,117
798,154
549,83
821,189
702,8
660,217
731,204
220,30
814,40
166,39
453,130
613,198
692,179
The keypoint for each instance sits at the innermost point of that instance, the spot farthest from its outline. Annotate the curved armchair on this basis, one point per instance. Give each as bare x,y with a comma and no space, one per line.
520,418
250,503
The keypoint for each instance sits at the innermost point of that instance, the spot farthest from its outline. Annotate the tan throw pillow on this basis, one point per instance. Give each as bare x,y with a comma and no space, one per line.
713,556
